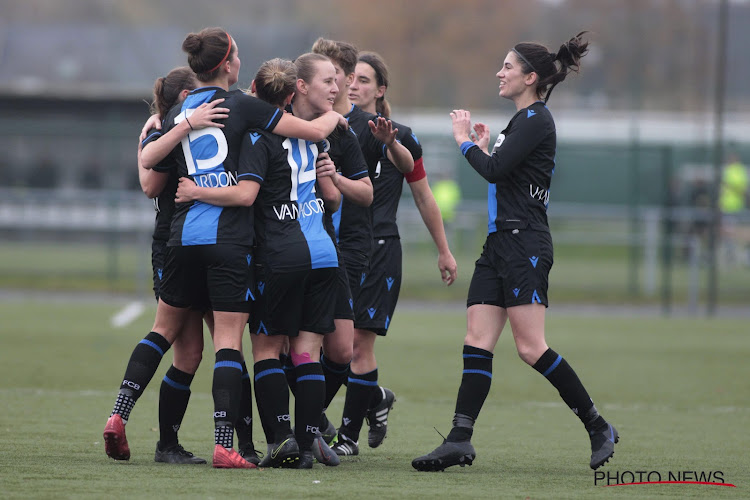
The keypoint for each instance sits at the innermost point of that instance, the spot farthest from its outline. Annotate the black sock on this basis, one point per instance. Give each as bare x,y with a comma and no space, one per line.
141,368
475,386
564,379
359,392
335,374
272,398
308,403
244,424
174,395
288,366
226,389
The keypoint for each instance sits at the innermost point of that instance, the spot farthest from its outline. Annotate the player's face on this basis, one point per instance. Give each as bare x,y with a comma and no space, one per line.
364,89
512,78
342,81
322,90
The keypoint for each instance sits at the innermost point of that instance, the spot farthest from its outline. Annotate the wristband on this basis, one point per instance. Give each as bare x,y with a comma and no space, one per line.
465,146
188,122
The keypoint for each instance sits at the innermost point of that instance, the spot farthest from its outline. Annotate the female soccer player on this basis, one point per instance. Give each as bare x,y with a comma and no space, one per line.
354,225
210,247
380,288
174,393
511,276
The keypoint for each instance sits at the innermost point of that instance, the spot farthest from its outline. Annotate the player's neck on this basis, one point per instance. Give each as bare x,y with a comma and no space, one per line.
370,108
343,106
219,82
302,109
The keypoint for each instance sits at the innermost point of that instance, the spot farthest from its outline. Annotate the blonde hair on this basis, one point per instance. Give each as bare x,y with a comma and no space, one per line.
276,80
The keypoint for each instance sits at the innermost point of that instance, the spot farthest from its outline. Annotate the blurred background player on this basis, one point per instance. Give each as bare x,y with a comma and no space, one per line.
380,288
353,226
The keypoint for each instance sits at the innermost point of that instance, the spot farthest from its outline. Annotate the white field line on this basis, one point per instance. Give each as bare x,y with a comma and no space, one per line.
127,314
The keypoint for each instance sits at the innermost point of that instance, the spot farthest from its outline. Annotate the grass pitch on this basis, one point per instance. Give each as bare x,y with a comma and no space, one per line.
677,390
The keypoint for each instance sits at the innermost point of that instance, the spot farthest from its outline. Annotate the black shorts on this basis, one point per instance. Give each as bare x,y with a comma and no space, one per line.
344,308
297,300
356,273
513,269
217,276
379,292
158,259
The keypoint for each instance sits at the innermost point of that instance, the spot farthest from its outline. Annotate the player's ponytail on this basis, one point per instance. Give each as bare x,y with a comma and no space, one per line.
381,76
275,81
551,68
167,89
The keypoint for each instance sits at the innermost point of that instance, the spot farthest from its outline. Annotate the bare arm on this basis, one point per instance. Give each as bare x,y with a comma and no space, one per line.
243,194
325,170
357,191
203,116
315,130
152,182
430,213
397,152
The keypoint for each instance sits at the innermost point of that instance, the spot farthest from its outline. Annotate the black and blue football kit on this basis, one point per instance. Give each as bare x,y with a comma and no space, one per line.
517,256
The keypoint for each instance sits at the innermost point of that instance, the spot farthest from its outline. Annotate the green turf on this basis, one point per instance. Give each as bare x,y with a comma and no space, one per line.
582,273
677,389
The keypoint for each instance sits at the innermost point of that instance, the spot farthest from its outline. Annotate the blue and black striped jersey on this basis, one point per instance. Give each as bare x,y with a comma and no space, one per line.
290,235
210,157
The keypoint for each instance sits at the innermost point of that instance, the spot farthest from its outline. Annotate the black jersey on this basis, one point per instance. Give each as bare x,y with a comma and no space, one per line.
164,201
388,182
210,157
353,222
519,170
289,215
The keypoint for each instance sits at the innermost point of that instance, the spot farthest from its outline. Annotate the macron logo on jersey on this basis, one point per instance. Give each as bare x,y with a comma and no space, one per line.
254,137
530,113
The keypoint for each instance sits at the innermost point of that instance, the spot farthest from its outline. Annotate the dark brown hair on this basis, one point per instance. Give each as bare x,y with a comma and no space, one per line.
276,80
207,50
551,68
381,75
342,53
167,89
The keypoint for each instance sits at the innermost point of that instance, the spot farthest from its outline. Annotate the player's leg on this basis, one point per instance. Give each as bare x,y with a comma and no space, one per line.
527,322
486,317
141,367
174,394
229,282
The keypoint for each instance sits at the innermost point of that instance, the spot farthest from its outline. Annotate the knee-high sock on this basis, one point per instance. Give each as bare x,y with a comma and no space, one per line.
475,386
244,424
335,374
272,398
227,386
359,391
308,403
564,379
174,395
141,367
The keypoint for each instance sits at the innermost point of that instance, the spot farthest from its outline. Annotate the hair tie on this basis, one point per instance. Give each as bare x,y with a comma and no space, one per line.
229,49
525,60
